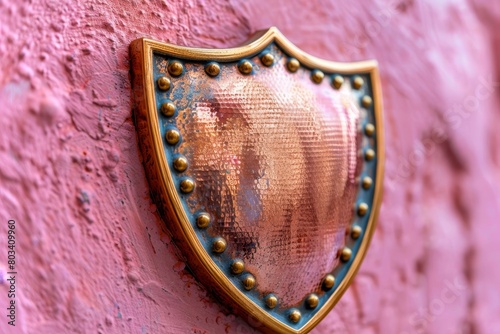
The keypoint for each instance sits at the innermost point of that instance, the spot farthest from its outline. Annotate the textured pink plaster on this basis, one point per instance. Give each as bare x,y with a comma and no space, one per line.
93,255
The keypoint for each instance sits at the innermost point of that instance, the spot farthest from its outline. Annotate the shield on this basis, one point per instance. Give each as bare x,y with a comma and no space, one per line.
266,165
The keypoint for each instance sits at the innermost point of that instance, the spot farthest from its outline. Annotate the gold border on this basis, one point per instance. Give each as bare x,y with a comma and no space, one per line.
161,182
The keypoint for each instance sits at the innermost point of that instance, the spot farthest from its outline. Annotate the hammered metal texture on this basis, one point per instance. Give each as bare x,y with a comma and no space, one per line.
275,159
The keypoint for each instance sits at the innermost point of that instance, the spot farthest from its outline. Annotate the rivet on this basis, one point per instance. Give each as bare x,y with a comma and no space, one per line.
212,69
312,301
267,59
175,68
328,282
294,315
317,76
362,209
168,109
367,182
271,301
187,185
248,282
357,82
219,245
237,266
356,232
369,129
180,164
345,254
203,220
163,83
293,65
245,67
366,101
369,154
337,81
172,136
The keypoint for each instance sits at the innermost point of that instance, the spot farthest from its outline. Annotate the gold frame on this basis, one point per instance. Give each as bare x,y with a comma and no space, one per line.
164,191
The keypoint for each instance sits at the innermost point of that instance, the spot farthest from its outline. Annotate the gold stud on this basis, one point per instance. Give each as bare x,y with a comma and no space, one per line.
369,154
294,315
367,182
248,282
362,209
356,232
345,254
267,59
312,301
203,220
163,83
219,245
172,136
357,82
180,164
369,129
187,186
237,267
175,68
271,301
293,65
366,101
337,81
328,282
245,67
212,69
168,109
317,76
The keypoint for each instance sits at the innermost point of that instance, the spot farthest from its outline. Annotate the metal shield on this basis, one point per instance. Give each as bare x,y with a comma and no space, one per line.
266,165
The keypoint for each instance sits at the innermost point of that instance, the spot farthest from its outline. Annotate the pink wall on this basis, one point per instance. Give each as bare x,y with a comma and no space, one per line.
93,255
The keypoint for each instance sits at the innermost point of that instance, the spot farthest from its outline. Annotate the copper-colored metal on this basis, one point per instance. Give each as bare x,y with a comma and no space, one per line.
328,282
366,101
180,164
257,153
369,154
357,82
237,267
267,59
203,220
187,185
362,209
175,68
356,232
369,129
294,315
172,136
248,282
271,301
212,69
245,67
312,301
367,182
293,65
158,170
337,81
345,254
317,76
168,109
163,83
219,245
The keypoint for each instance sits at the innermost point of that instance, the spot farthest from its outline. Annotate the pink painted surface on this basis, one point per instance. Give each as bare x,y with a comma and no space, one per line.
93,255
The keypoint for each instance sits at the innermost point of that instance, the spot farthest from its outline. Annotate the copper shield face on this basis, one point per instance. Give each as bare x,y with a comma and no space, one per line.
266,164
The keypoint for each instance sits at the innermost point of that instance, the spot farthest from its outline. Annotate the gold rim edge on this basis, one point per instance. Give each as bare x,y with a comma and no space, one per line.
257,44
